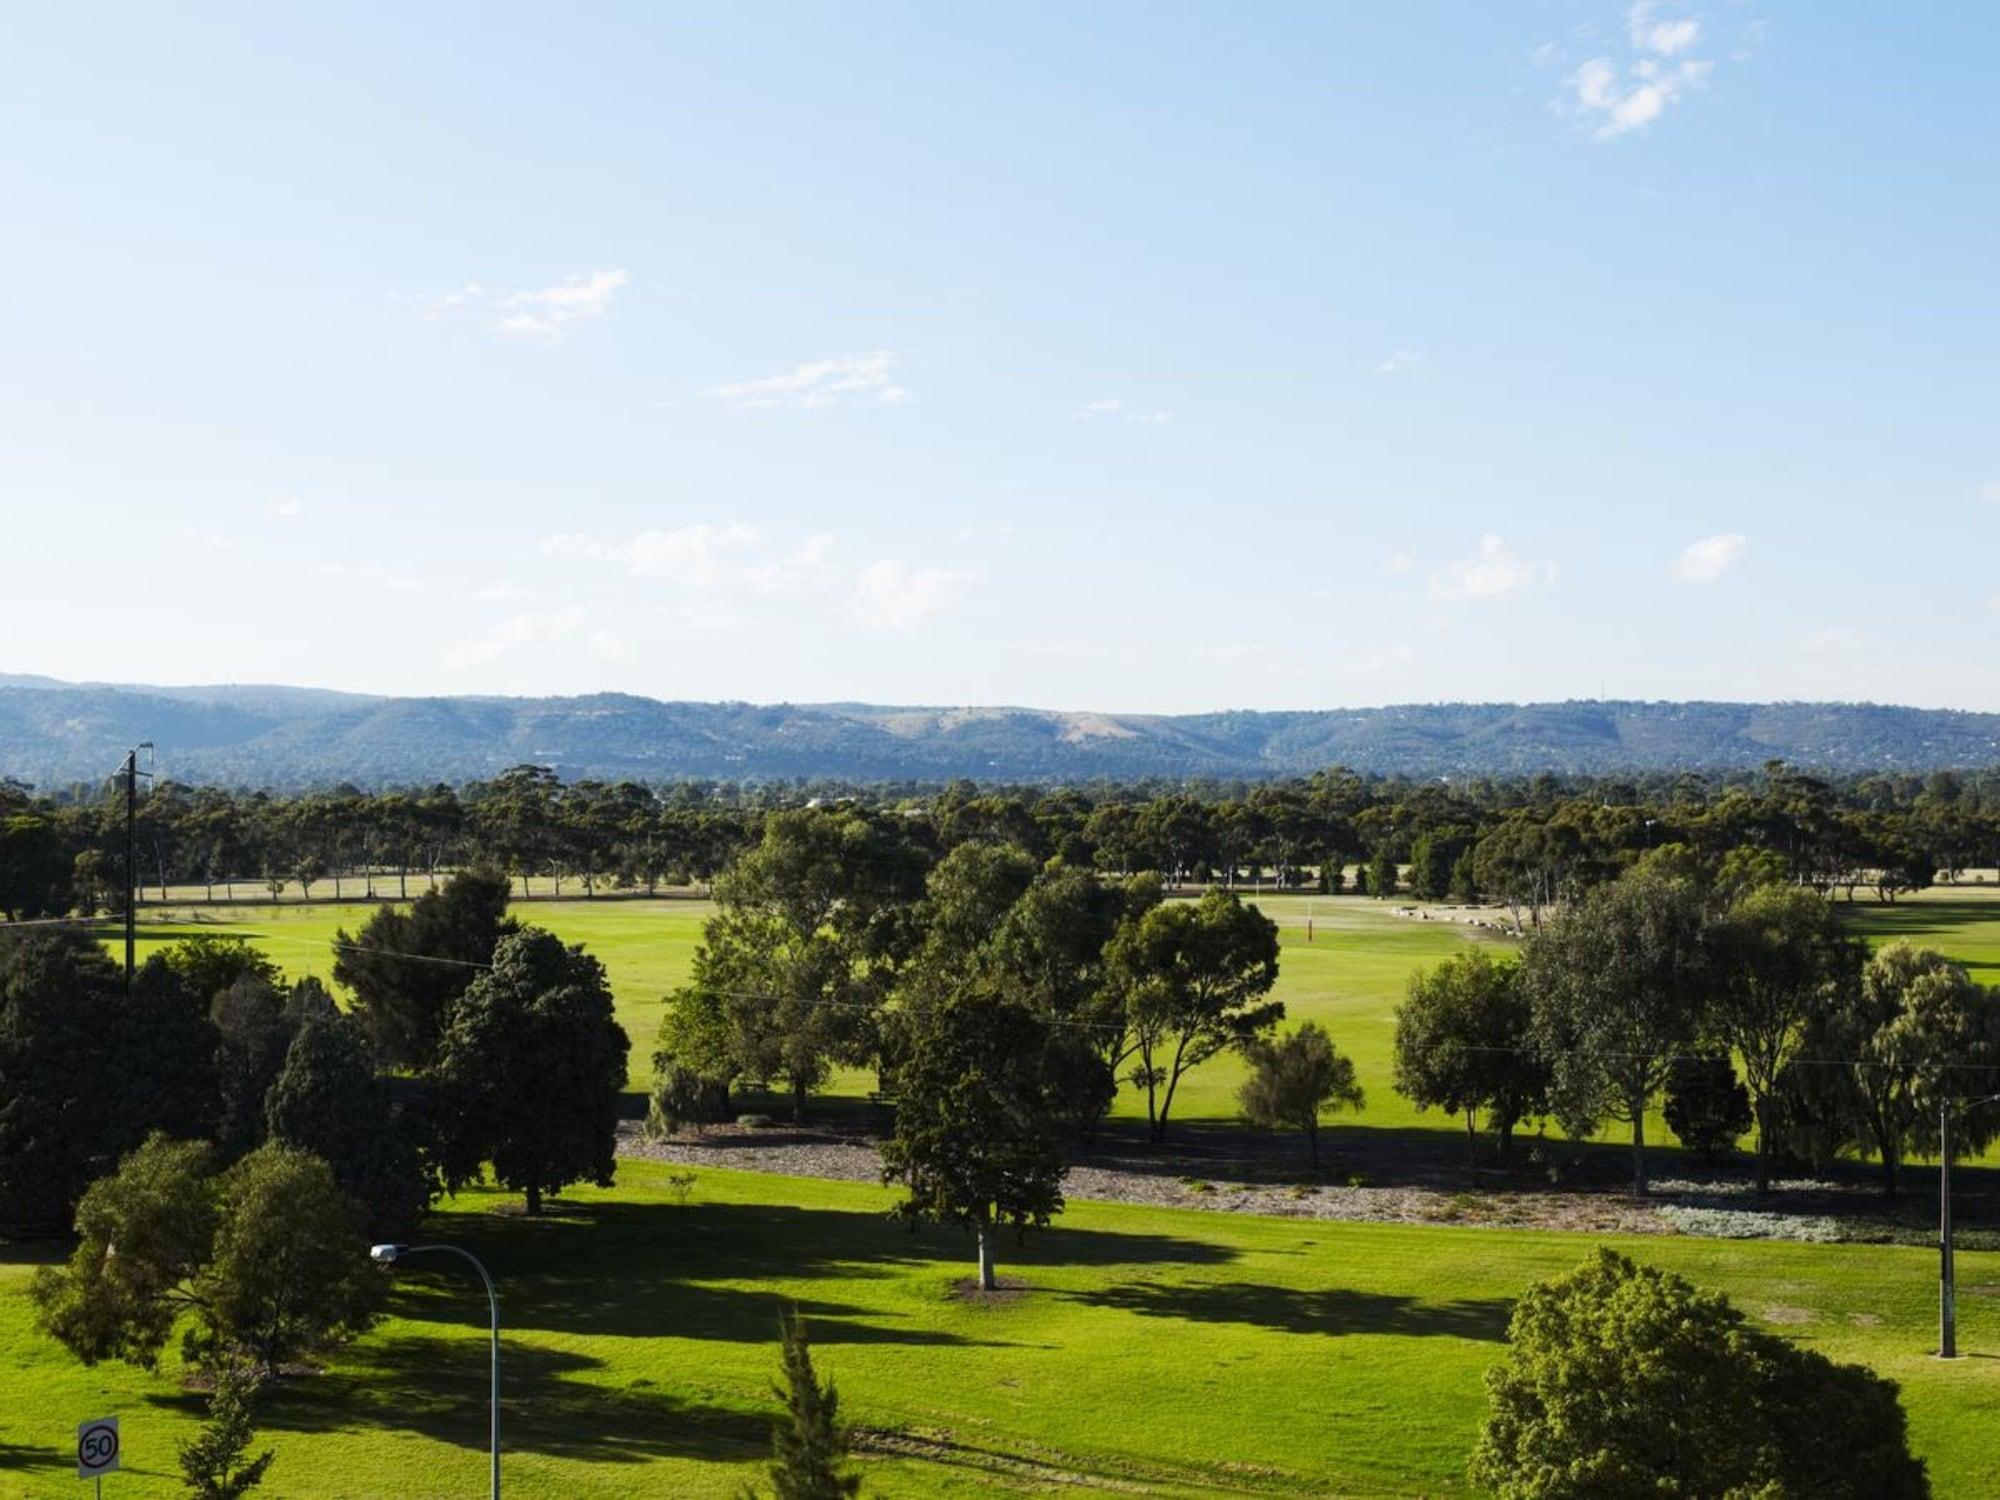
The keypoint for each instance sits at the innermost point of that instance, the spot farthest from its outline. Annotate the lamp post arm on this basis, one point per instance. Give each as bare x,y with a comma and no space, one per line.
493,1301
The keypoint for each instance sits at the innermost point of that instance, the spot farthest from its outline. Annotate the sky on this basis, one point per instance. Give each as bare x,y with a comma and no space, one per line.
1136,358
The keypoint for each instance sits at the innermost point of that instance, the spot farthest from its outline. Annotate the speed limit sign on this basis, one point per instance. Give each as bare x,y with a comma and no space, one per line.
97,1448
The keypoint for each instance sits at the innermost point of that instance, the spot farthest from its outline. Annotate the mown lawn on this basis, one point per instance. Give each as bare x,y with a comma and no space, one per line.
1190,1353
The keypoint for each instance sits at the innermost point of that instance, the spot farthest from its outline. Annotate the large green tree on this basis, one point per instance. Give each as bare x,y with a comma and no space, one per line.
1617,983
974,1143
1195,976
1465,1043
529,1071
329,1100
86,1070
268,1257
1784,963
1918,1032
1623,1382
810,929
405,968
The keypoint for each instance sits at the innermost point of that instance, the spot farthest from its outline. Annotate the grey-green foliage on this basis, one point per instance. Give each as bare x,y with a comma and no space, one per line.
1296,1080
1618,983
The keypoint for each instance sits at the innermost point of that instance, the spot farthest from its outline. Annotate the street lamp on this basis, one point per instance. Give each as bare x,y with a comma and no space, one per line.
388,1255
1947,1276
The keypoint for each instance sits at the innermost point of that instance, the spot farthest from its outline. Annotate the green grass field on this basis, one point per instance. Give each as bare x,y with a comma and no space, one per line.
1349,977
1172,1352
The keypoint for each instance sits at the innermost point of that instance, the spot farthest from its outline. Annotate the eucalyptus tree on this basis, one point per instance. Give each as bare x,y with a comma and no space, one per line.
1617,984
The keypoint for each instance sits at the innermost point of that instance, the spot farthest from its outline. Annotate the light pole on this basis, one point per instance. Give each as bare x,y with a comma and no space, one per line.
1947,1275
388,1255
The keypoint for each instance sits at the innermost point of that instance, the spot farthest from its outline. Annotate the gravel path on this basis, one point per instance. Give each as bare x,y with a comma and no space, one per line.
853,1157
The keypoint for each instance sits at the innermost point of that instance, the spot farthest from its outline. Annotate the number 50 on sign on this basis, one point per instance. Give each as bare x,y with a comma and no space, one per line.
97,1448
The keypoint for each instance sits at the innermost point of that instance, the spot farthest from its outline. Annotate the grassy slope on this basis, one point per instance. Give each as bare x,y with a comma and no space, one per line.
1198,1353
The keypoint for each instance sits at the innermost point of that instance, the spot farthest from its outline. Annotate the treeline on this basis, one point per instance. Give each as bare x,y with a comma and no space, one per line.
1526,842
1740,1003
226,1142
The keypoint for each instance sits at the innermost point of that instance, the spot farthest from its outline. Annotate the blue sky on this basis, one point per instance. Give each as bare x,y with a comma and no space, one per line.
1126,357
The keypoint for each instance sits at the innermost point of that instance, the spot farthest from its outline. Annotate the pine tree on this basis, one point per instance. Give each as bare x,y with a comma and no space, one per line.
808,1442
212,1462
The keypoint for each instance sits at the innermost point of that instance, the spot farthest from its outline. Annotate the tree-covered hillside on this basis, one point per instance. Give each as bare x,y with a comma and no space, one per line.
53,734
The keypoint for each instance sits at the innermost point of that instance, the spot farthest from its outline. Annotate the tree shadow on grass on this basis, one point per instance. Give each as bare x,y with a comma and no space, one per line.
29,1456
641,1270
1335,1311
35,1252
438,1388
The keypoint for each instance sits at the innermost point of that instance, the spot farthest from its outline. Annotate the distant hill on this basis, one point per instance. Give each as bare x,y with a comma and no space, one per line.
54,733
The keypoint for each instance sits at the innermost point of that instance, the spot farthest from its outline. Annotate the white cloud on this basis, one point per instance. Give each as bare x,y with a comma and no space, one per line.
373,575
1402,362
1990,493
1649,33
706,559
546,313
287,507
1493,573
890,596
824,382
516,631
1116,408
1708,559
1401,562
1659,71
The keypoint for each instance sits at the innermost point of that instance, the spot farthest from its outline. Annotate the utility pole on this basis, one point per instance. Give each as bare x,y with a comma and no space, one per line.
1947,1277
1947,1282
132,774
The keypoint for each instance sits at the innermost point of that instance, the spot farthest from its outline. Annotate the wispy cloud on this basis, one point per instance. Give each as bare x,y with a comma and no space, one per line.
1402,362
1990,493
1620,94
1711,557
891,596
1491,573
516,631
547,313
1117,409
704,558
824,382
287,508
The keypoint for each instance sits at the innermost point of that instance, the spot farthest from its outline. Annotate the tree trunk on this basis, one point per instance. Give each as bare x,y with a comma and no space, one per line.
1506,1139
1763,1144
798,1101
1472,1139
1639,1150
1312,1140
986,1281
534,1199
